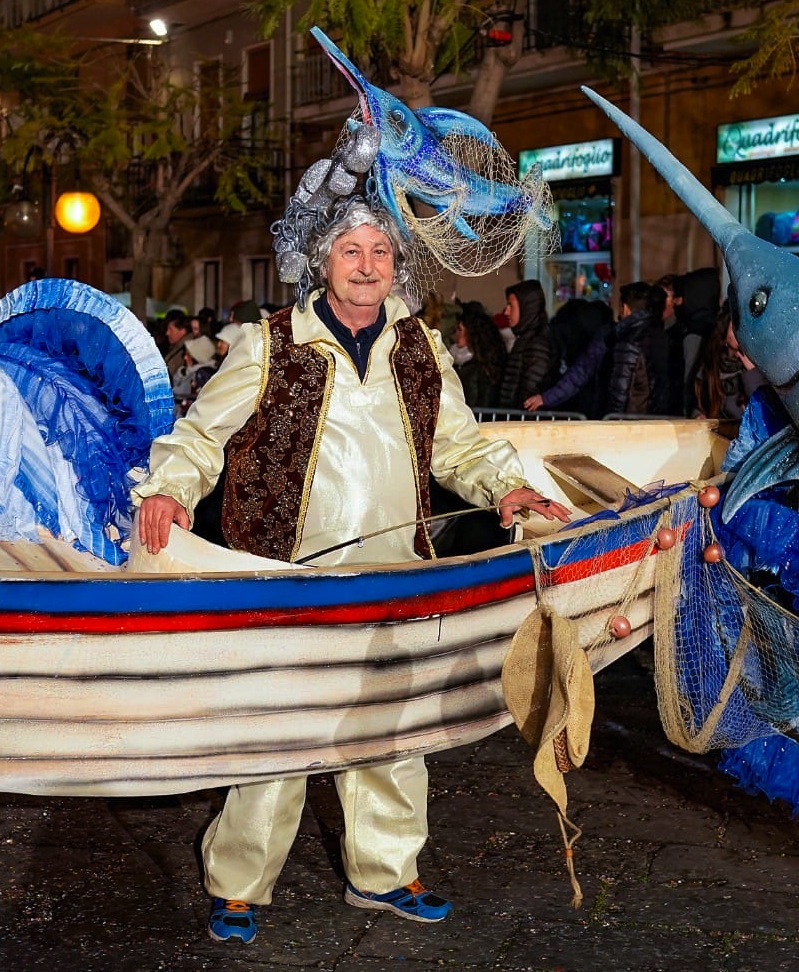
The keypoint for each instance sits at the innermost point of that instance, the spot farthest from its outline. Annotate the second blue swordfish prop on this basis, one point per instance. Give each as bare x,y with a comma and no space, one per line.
481,212
764,303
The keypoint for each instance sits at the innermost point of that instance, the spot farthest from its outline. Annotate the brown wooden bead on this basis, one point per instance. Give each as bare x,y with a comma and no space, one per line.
620,626
665,538
709,496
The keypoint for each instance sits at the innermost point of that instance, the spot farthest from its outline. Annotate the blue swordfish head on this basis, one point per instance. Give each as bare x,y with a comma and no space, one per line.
764,304
412,160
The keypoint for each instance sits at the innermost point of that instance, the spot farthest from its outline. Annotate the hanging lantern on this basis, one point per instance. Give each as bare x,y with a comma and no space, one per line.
24,219
498,29
77,212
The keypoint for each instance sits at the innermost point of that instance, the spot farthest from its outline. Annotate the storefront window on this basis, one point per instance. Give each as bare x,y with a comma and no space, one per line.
776,212
758,169
583,268
580,177
770,210
584,225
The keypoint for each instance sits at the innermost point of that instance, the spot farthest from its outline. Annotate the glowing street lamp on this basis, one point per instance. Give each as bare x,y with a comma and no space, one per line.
159,27
77,212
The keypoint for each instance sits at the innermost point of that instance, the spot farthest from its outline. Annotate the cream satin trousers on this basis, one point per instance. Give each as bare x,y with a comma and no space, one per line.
385,827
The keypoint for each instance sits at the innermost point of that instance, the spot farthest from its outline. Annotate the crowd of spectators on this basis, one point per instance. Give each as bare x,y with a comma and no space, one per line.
194,345
669,351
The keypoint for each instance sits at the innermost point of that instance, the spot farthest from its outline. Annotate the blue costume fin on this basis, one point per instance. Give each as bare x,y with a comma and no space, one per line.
775,461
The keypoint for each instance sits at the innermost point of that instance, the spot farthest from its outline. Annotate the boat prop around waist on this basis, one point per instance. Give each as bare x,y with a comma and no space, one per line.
764,305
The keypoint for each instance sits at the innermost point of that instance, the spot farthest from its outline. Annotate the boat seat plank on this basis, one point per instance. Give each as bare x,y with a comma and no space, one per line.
591,477
28,556
48,556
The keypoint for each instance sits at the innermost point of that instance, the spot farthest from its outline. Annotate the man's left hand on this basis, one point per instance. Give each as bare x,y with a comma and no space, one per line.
518,500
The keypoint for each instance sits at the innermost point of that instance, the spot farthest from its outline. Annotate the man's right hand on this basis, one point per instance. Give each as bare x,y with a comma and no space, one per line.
156,516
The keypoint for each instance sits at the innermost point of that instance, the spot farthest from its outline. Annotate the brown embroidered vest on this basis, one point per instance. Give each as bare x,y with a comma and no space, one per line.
270,460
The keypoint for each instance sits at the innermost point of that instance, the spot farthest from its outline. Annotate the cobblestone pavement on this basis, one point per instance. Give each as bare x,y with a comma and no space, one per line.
680,871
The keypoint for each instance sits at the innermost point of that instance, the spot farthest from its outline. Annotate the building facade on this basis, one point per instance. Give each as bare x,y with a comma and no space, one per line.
619,220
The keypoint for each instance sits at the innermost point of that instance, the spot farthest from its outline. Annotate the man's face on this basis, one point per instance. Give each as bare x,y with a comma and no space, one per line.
512,310
175,333
360,270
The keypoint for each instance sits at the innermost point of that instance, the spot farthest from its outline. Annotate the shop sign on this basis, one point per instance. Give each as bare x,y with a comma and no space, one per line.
581,160
755,173
763,138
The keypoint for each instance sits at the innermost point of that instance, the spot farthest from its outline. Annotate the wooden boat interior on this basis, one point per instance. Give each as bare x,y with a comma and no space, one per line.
47,556
590,466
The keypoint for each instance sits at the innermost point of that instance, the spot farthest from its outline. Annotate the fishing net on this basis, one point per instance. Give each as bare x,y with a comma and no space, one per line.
595,589
726,651
487,214
477,220
723,600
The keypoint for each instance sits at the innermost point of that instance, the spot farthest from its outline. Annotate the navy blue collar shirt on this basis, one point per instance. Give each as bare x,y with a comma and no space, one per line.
356,345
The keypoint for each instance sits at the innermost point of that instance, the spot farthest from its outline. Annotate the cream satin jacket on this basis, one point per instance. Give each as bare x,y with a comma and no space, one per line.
364,480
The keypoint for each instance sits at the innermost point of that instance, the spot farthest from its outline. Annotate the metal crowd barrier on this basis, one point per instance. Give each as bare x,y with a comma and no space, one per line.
632,416
522,415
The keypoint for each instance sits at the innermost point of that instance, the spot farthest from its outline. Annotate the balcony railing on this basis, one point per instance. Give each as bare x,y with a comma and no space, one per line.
552,23
15,13
316,79
549,23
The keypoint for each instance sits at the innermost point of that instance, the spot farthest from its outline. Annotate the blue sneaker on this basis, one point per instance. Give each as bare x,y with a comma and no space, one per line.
231,919
413,901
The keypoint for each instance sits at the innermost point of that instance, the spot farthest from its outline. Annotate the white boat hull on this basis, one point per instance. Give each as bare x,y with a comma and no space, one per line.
126,683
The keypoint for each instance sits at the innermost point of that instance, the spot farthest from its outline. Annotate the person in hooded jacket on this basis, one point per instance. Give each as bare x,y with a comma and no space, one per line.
529,368
582,329
639,375
200,362
697,306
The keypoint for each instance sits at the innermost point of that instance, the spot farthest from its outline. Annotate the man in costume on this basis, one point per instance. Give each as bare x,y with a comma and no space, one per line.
332,417
329,419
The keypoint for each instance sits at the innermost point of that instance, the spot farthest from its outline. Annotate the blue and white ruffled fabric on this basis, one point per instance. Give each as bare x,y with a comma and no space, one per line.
83,392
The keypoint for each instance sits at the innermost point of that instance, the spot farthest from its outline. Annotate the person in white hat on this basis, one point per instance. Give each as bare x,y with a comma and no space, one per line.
225,338
199,354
